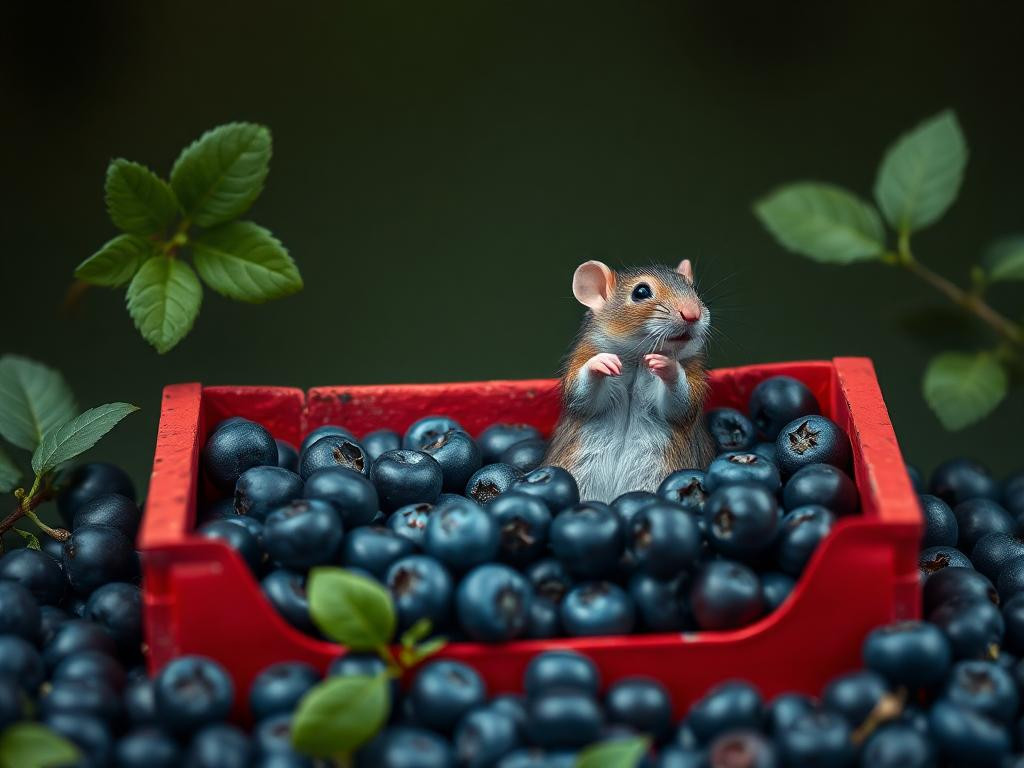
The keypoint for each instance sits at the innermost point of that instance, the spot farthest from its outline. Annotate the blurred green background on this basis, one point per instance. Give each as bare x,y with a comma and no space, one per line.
440,168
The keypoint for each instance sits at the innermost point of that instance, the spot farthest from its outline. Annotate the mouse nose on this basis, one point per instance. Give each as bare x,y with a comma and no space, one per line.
690,312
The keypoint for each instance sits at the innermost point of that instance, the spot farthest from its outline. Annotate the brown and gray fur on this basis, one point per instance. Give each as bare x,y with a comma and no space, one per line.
626,431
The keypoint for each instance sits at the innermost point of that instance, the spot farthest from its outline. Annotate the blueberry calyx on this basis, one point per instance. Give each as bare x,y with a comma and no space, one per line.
803,438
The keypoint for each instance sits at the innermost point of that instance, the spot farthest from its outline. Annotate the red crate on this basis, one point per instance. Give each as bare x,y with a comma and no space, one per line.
200,597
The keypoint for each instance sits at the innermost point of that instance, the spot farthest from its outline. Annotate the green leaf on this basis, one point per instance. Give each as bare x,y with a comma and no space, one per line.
920,175
245,262
614,753
419,630
139,202
823,222
116,262
220,174
962,388
351,609
410,656
164,299
33,400
31,745
31,540
340,714
78,435
9,472
1004,259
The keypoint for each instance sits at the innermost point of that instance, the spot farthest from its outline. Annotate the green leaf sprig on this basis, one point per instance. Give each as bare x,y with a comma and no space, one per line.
32,745
917,181
38,413
213,182
342,713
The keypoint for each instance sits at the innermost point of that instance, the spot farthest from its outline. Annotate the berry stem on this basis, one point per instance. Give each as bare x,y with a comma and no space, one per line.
27,502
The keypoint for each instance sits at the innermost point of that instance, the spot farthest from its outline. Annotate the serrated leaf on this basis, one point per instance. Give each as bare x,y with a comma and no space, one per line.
963,388
31,745
139,202
33,399
116,262
164,299
823,222
244,261
350,609
78,435
614,753
340,714
220,174
31,540
9,472
921,173
1004,259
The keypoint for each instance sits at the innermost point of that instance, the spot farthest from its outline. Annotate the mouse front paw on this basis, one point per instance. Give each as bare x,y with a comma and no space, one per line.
604,364
665,368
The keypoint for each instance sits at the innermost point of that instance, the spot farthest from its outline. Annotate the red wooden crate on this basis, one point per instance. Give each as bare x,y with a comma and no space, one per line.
200,597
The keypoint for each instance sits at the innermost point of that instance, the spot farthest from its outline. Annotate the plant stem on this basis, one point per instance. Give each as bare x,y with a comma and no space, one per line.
27,503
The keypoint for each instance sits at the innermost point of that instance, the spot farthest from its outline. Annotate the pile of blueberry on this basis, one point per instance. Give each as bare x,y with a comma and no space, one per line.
475,536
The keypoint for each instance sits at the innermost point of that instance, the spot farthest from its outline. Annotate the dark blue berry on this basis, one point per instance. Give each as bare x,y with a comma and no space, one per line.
490,481
631,502
767,452
1013,494
333,451
237,537
726,707
87,481
410,522
458,456
381,441
742,520
965,737
39,573
588,539
812,440
544,620
1011,579
286,591
976,518
898,746
523,521
526,455
958,480
563,719
854,695
443,691
725,595
351,494
374,549
817,740
777,401
20,661
956,584
117,607
96,554
561,670
234,448
974,628
737,467
261,490
219,746
111,509
686,488
910,653
498,438
51,618
325,431
730,430
775,588
78,697
934,559
139,698
800,533
1013,620
660,604
493,603
303,534
405,747
985,687
147,747
549,579
426,430
821,484
19,612
597,608
91,667
483,736
406,477
287,456
91,735
552,485
785,709
940,526
421,588
994,550
278,688
77,635
663,539
192,691
461,535
643,704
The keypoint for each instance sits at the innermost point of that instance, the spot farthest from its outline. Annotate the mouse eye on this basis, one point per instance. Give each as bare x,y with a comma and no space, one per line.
641,292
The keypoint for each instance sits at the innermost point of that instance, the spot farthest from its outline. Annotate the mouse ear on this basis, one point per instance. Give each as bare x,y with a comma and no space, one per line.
592,284
685,269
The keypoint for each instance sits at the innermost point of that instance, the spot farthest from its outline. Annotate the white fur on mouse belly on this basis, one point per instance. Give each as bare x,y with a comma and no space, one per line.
623,448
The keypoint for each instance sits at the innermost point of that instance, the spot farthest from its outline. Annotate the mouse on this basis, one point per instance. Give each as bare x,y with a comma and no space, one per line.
634,384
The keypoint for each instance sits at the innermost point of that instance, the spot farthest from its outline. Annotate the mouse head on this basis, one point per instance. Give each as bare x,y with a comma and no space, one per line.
639,311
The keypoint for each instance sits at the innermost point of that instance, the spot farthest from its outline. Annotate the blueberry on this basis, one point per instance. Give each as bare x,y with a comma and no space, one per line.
461,535
77,635
351,494
526,455
974,628
817,739
523,521
87,481
52,547
117,607
821,484
96,554
544,620
39,573
812,440
251,524
775,589
238,538
940,527
78,697
51,617
287,456
1011,579
91,735
1013,494
406,477
964,737
854,695
725,595
730,430
303,534
380,441
332,451
742,520
737,467
631,502
985,688
976,518
597,608
641,703
273,736
498,438
20,661
785,709
934,559
910,653
19,612
147,747
660,604
261,490
561,670
110,509
956,584
958,480
443,691
726,707
802,530
428,429
663,540
994,550
139,698
421,588
458,456
897,746
588,538
404,747
681,757
490,481
1013,620
91,667
357,664
219,746
549,579
916,479
192,691
325,431
563,719
777,401
374,549
512,705
278,688
286,591
493,603
767,452
234,448
748,746
483,736
554,486
686,488
410,522
222,509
